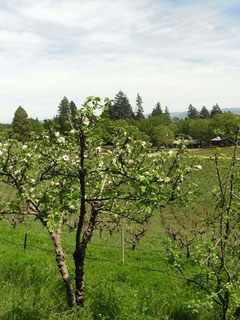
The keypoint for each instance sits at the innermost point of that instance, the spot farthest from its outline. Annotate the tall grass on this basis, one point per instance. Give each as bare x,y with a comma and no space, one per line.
146,287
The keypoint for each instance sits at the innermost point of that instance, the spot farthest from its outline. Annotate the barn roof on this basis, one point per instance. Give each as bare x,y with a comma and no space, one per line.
216,139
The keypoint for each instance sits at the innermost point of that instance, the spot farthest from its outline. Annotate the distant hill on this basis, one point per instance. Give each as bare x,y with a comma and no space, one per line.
233,110
183,114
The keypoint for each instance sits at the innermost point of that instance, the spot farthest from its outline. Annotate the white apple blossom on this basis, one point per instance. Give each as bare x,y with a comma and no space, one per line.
24,147
65,157
86,121
57,134
61,139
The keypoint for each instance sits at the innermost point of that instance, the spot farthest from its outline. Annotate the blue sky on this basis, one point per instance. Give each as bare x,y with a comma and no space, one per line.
175,52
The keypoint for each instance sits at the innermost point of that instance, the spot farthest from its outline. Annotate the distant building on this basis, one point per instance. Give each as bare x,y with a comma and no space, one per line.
191,143
217,141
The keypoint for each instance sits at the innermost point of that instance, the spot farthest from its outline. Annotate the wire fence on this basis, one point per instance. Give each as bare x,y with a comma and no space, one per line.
129,249
97,259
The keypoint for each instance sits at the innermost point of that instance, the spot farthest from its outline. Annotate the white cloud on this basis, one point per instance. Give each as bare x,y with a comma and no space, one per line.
177,54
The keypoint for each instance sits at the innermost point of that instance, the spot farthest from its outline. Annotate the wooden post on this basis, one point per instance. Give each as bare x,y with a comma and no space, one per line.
122,244
25,241
100,232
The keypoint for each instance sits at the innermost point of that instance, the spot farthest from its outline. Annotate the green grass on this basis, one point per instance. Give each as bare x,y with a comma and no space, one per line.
146,287
31,287
209,152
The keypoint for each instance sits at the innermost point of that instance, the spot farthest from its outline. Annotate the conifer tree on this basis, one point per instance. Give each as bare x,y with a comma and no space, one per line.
157,110
204,113
192,112
73,109
121,108
21,125
139,112
215,110
166,111
64,112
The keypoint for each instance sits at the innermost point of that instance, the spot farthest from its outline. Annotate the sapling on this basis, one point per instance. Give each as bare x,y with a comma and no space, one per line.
59,179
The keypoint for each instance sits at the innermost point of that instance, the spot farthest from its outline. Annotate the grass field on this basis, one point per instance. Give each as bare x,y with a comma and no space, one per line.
146,287
209,152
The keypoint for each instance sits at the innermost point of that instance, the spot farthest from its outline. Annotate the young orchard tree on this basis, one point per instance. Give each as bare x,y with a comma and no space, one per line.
215,266
134,235
60,177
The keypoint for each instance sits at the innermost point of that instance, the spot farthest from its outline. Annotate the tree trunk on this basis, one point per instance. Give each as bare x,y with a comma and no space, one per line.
224,312
62,265
79,259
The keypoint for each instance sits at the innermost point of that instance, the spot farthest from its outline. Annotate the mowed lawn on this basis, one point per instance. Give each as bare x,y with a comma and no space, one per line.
209,152
145,287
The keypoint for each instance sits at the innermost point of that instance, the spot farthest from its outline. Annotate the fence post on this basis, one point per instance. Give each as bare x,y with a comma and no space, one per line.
25,241
122,244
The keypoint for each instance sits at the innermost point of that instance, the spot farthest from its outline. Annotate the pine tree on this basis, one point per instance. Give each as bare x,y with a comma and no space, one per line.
192,112
121,108
73,111
157,110
21,124
64,112
215,110
166,111
204,113
139,112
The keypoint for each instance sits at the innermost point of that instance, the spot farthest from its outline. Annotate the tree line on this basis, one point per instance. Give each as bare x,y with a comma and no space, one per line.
158,127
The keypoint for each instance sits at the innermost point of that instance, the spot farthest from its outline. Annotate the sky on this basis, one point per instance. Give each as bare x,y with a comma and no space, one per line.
176,52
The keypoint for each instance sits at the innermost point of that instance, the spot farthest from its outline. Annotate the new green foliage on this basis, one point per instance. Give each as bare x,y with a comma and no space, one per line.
59,178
